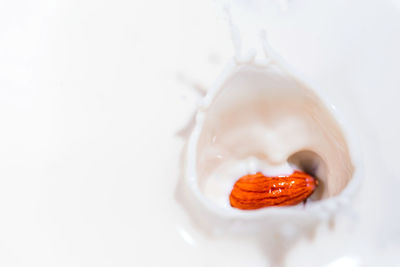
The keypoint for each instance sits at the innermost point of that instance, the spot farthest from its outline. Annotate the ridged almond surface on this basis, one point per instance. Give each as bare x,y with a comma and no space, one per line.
255,191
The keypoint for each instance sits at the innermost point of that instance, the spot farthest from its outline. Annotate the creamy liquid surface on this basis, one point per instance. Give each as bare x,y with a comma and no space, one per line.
258,122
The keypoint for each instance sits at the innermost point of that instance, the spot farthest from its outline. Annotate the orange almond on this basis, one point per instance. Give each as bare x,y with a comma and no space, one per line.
255,191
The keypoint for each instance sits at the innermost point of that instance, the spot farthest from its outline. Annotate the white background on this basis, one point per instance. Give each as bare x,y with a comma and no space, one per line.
92,94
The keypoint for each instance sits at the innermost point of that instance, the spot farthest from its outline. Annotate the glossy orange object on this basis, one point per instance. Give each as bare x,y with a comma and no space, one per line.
255,191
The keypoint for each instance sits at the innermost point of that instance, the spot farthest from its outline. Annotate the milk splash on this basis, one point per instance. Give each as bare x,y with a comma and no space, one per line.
233,133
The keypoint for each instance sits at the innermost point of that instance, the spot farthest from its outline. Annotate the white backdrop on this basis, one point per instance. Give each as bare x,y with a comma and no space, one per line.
92,94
